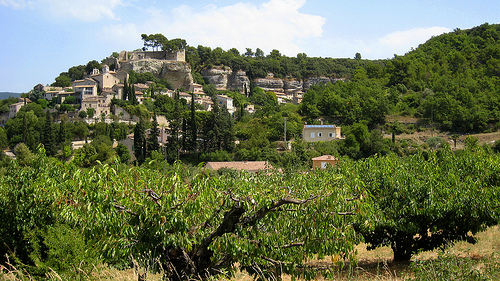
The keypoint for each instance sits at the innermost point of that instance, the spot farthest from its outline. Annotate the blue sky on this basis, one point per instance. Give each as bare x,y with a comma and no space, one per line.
42,38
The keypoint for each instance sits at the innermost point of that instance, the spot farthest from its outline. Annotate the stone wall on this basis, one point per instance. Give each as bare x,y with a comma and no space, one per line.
179,55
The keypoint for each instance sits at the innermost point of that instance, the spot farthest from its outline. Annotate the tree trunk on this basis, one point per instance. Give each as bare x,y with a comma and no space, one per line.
401,252
180,266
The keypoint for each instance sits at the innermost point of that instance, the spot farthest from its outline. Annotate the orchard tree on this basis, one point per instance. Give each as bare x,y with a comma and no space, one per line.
427,201
197,226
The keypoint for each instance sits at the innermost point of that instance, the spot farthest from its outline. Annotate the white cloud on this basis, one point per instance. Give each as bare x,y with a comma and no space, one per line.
16,4
128,36
88,11
411,38
399,43
277,24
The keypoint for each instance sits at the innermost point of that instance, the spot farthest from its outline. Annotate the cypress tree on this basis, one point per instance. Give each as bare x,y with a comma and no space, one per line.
173,142
131,95
193,129
153,143
140,141
48,137
61,138
125,90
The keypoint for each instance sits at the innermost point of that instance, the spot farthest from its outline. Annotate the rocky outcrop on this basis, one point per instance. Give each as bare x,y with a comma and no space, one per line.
293,86
225,79
218,77
316,81
239,82
177,73
269,84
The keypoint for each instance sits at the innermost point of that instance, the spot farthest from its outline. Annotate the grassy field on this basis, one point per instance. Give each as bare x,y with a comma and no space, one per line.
463,261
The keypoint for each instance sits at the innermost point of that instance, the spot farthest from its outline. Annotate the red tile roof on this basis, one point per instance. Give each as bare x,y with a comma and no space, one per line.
251,166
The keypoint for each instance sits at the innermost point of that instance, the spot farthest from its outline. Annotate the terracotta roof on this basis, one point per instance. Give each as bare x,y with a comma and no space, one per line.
251,166
325,157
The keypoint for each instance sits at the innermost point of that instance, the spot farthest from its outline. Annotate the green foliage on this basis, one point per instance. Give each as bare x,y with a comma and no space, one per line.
23,155
85,156
63,80
91,65
434,142
104,147
448,267
63,249
349,101
4,142
428,201
123,153
216,156
82,114
152,141
34,107
140,142
55,215
208,219
48,136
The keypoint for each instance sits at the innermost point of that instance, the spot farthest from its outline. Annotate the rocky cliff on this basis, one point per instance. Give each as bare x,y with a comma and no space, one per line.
225,79
177,73
218,77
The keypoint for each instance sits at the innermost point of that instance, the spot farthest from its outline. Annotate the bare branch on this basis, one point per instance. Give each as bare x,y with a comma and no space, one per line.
155,197
120,208
261,213
271,260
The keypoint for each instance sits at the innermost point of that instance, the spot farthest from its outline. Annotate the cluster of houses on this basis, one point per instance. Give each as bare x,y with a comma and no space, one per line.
98,89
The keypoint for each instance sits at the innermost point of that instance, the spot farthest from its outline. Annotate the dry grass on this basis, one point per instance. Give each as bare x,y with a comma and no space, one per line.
420,137
372,265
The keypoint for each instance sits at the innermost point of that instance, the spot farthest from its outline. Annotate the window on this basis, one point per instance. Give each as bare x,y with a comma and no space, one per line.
312,135
331,135
320,135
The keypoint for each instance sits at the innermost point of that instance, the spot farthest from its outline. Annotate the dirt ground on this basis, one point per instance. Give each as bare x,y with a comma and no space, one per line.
421,137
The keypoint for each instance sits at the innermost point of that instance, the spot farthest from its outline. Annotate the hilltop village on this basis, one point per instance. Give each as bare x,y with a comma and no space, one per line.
97,89
199,104
99,96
